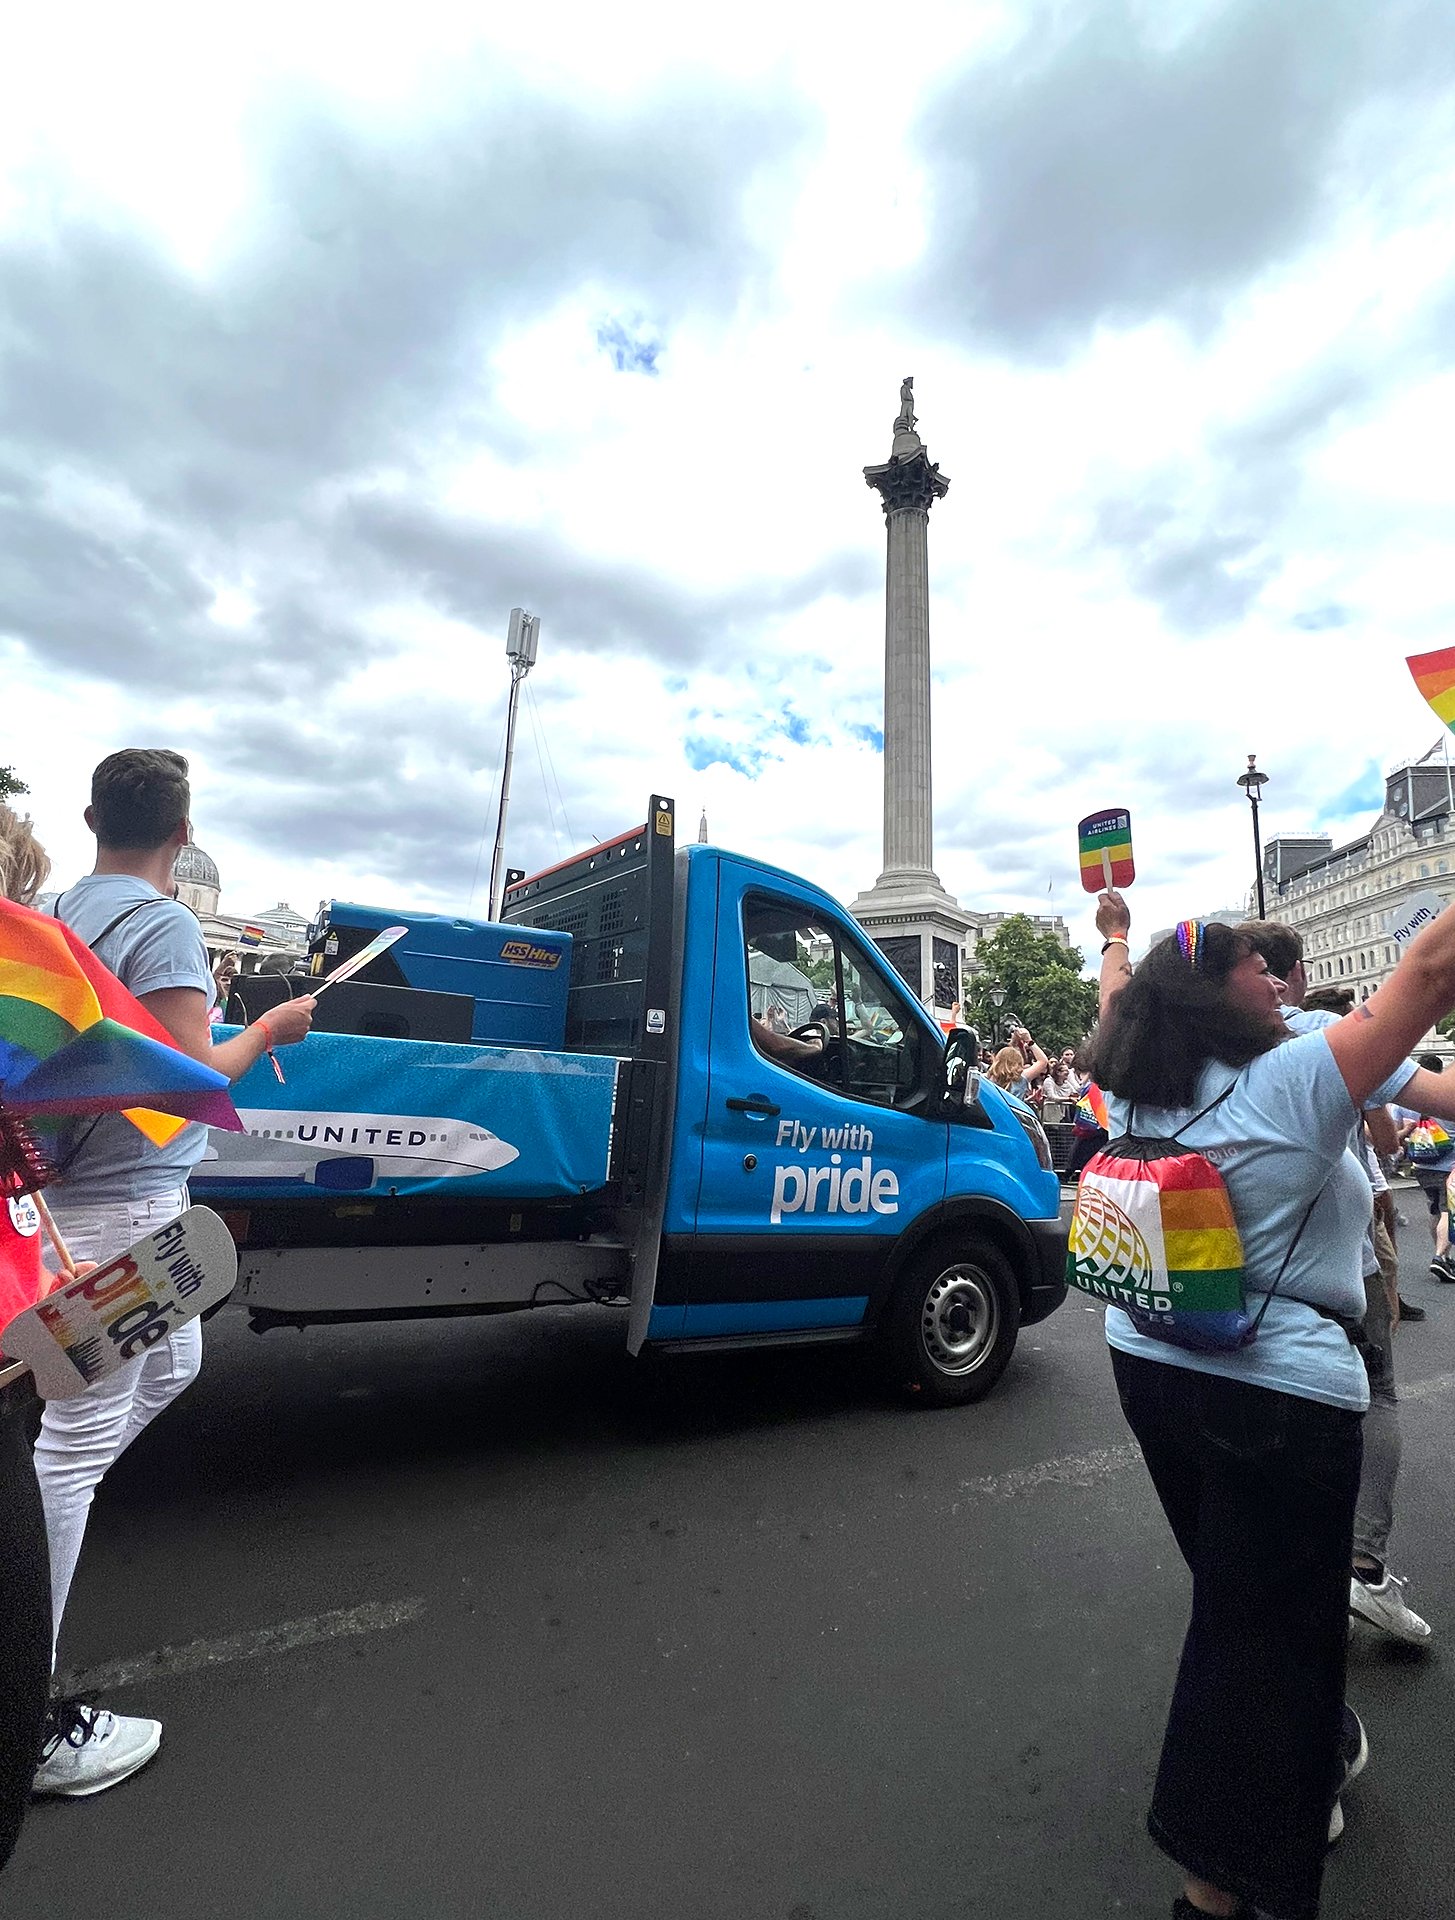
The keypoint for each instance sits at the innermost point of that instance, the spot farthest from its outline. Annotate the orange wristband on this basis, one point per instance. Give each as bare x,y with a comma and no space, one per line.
267,1033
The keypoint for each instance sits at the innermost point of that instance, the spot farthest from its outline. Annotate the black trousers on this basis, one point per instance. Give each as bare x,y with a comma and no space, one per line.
1260,1489
25,1617
1086,1145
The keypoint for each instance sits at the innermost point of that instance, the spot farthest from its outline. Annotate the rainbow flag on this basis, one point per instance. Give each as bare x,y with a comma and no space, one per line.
1092,1105
73,1040
252,936
1434,675
1109,834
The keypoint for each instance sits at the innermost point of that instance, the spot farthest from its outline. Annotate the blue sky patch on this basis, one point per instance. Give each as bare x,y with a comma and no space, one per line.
1364,795
703,752
629,350
1322,619
871,736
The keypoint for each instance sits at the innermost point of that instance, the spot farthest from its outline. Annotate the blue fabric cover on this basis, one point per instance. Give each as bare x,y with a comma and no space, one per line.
359,1115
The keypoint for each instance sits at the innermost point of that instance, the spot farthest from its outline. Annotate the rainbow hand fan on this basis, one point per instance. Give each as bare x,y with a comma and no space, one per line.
73,1040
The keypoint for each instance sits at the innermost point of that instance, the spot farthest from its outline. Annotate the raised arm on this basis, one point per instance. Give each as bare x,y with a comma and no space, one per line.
1034,1056
1369,1043
1114,924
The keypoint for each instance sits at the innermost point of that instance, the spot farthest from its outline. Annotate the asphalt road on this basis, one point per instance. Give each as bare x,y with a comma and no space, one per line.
563,1634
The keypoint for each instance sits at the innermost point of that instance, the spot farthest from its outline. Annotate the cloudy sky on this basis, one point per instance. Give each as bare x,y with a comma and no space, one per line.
327,335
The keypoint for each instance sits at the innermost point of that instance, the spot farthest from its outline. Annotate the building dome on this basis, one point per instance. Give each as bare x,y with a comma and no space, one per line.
199,884
197,867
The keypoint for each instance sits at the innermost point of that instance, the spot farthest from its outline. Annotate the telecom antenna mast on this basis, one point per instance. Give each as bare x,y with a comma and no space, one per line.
520,649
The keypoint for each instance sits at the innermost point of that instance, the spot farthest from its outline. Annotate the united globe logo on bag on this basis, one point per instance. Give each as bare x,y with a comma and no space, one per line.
1155,1235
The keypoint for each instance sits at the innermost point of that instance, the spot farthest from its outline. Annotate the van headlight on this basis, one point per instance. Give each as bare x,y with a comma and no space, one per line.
1036,1134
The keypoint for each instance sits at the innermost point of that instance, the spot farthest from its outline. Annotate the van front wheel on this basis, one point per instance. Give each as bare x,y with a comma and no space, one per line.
951,1324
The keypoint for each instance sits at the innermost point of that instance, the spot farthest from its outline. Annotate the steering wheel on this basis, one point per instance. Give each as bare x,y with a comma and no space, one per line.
812,1030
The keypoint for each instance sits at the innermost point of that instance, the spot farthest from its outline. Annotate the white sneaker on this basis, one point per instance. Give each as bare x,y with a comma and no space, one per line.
1383,1606
88,1749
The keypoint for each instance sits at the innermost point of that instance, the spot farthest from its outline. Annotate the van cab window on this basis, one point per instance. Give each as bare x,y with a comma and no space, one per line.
819,1005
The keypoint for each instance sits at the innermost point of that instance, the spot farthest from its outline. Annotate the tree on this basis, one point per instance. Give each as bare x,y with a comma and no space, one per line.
1042,982
10,783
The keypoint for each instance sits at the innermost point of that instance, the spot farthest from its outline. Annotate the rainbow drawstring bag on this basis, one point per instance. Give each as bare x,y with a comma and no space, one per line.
1153,1233
1427,1143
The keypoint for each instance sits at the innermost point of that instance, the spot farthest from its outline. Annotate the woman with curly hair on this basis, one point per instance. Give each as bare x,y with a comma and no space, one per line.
1255,1451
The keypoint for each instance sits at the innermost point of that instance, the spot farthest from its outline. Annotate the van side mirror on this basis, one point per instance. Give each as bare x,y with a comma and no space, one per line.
962,1078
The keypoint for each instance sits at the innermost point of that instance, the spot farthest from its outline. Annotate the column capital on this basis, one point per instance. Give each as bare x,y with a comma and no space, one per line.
910,483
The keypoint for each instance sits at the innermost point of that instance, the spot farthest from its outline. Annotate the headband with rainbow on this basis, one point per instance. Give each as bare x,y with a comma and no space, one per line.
1190,941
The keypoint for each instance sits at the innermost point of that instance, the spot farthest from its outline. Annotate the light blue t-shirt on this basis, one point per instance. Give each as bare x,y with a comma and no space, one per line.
159,945
1309,1020
1281,1137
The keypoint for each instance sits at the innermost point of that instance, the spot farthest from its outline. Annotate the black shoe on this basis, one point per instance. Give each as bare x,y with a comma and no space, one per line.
1407,1312
1441,1269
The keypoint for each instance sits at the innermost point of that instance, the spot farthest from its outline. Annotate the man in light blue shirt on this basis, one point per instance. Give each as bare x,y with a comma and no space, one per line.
113,1186
1375,1594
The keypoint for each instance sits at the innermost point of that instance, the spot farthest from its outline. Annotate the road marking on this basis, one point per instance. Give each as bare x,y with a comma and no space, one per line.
1069,1470
196,1655
1087,1469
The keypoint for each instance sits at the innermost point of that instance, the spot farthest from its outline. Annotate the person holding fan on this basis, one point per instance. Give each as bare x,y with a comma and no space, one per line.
1254,1451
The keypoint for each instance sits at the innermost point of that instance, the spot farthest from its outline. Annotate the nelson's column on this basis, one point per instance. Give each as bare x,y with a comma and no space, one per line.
915,924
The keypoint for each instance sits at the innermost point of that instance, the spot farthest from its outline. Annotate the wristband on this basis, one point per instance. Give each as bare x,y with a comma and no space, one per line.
1116,940
268,1032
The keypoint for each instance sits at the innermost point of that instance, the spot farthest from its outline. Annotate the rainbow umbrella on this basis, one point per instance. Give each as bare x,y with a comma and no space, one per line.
73,1040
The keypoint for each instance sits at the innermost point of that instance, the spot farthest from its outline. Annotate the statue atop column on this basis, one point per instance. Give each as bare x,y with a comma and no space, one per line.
905,420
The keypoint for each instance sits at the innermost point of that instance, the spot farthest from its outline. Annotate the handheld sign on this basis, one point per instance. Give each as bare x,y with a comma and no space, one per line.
88,1328
1106,850
1414,916
380,943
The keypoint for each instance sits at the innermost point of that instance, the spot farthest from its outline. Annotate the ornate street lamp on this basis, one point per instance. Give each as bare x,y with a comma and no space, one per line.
997,995
1251,782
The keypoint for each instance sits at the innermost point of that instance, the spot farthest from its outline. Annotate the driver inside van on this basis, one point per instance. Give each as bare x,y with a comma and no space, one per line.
792,1051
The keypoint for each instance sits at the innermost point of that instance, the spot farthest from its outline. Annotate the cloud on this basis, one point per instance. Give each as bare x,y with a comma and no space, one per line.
223,426
1119,163
595,605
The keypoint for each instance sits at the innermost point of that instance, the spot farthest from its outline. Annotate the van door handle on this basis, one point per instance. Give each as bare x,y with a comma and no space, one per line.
757,1103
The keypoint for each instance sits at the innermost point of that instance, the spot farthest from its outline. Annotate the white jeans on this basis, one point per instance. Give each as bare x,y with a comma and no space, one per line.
80,1438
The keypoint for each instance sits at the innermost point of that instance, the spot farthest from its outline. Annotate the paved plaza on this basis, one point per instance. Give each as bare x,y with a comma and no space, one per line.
481,1618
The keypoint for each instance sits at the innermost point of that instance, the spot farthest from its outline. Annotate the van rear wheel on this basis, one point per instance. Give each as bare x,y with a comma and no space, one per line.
951,1324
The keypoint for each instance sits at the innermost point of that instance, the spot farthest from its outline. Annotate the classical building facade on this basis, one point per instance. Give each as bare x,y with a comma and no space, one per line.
985,926
1343,900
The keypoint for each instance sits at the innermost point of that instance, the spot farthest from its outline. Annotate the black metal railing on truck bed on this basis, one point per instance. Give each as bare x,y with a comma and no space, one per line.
615,901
